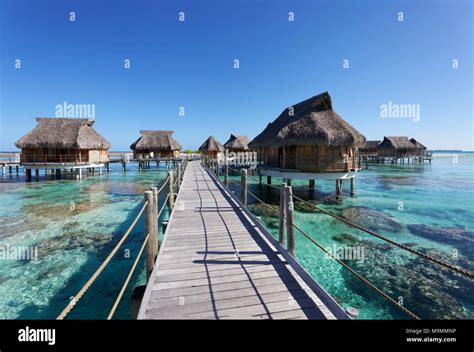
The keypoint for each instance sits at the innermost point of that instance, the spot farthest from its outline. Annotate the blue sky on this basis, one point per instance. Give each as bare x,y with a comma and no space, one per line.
190,64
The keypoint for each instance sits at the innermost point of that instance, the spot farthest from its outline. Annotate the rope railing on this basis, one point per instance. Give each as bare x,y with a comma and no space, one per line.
351,270
164,205
89,282
151,223
127,280
379,236
359,276
355,273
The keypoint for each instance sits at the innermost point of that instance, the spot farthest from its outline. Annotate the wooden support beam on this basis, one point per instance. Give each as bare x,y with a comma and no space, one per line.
226,174
243,186
171,189
149,229
282,224
352,186
311,184
290,231
338,189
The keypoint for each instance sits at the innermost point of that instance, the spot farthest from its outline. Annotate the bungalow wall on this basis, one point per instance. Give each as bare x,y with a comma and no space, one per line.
58,155
396,152
156,153
309,158
212,154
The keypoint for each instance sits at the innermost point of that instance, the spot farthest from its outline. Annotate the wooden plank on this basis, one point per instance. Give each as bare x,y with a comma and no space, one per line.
215,264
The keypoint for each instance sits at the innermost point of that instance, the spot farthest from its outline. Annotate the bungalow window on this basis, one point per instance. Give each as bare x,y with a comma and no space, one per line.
322,151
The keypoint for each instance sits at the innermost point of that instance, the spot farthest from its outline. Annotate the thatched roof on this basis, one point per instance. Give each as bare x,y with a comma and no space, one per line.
312,121
156,140
72,133
237,142
417,144
211,145
370,144
399,142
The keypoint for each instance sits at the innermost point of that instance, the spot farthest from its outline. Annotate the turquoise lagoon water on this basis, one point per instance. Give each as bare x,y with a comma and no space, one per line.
76,224
429,207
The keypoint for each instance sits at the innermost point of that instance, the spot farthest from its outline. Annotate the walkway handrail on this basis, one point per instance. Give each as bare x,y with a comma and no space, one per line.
352,271
153,222
127,280
358,275
89,282
440,262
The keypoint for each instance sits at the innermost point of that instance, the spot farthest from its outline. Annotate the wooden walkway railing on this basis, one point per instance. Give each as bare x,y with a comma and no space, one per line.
152,213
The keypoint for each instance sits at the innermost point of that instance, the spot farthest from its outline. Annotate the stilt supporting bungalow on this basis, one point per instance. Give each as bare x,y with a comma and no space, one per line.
309,141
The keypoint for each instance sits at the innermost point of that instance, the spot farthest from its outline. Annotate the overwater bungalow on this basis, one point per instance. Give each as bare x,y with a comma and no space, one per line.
309,140
155,145
396,147
63,143
237,143
212,148
369,148
420,148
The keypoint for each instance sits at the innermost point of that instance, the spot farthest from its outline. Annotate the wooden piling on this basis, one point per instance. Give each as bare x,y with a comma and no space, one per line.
226,174
152,248
171,188
282,226
311,184
243,186
154,190
269,180
338,189
178,177
290,240
352,186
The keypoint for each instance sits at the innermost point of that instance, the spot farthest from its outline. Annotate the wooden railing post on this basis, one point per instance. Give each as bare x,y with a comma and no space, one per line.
243,186
171,188
289,220
178,176
226,174
154,190
152,246
282,227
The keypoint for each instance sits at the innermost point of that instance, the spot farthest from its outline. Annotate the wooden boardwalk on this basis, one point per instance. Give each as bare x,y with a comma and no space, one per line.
217,262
